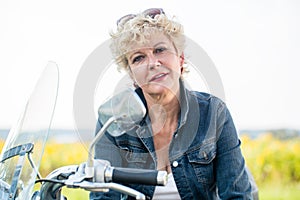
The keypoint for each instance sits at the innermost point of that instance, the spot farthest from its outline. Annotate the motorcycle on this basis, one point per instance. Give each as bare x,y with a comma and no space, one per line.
22,152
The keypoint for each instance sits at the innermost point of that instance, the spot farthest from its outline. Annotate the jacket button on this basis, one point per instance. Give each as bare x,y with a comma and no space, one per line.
175,164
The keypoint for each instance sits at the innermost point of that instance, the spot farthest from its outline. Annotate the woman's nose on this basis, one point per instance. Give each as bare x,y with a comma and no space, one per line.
153,62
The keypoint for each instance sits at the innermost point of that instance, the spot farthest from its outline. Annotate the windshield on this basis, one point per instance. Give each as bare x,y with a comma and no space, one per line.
25,143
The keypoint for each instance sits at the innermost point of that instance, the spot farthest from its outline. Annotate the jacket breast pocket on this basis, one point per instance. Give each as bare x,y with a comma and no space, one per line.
136,160
202,161
133,158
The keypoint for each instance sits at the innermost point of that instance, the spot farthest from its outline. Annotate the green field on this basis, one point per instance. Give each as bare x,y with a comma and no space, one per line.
268,192
274,163
277,191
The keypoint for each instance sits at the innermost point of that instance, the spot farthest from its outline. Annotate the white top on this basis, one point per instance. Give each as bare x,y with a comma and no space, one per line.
168,191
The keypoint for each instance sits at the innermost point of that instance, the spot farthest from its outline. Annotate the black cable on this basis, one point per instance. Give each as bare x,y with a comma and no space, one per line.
49,180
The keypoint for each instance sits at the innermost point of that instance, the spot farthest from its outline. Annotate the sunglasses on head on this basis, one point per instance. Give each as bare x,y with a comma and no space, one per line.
151,12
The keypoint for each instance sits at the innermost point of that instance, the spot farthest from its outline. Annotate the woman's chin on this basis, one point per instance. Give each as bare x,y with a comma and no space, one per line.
156,89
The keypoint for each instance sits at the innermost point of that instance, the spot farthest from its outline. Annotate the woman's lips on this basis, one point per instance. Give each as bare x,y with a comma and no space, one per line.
158,77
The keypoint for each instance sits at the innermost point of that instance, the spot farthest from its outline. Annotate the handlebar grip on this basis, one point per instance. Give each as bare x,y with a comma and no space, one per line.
138,176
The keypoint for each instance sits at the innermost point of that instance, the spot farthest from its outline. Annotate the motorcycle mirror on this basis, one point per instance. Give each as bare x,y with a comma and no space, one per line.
127,109
118,114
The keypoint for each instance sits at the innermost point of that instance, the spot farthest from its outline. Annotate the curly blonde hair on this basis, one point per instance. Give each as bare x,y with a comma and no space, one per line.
138,29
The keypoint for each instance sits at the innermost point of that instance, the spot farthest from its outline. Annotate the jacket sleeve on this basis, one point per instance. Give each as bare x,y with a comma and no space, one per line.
232,176
106,149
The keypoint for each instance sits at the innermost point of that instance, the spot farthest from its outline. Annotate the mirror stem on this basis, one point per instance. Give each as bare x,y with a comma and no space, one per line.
89,169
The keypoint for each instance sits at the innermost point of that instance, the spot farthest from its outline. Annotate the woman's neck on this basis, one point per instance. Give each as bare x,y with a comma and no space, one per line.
163,110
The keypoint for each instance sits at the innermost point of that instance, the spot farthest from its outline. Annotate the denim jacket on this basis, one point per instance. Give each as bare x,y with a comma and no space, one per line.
204,154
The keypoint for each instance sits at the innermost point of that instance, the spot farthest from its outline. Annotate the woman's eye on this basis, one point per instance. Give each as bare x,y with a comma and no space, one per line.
159,49
137,59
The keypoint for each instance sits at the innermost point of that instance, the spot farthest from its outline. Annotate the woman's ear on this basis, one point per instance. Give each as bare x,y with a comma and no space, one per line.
182,59
181,62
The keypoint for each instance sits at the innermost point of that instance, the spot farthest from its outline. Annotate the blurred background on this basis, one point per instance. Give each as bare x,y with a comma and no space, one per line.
253,44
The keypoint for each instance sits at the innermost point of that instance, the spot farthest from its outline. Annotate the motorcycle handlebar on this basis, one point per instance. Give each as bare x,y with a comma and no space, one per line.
104,173
136,176
106,177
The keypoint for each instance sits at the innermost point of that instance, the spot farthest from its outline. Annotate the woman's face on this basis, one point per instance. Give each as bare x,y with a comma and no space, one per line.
156,66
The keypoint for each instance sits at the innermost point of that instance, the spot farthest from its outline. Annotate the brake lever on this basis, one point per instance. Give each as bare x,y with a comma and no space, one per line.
77,177
104,187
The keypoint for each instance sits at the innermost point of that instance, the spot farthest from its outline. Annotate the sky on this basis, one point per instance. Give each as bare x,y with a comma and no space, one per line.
254,46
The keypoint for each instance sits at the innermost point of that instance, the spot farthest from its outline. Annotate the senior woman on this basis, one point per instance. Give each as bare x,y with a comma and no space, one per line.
189,134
